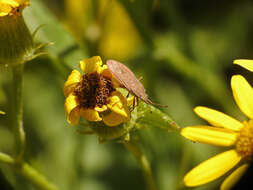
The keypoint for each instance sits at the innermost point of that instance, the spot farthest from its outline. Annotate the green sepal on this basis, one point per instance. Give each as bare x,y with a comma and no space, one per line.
16,42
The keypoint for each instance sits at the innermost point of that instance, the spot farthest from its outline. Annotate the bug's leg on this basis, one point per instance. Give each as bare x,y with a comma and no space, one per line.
133,104
137,100
127,96
150,109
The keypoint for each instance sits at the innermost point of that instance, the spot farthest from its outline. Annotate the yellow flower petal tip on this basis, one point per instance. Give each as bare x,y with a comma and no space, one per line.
104,71
212,168
1,112
91,65
74,116
234,177
72,110
118,104
114,119
90,115
13,3
243,94
217,118
71,82
101,109
130,101
245,63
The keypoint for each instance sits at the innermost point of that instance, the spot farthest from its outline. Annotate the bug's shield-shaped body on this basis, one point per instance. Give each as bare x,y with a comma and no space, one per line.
128,80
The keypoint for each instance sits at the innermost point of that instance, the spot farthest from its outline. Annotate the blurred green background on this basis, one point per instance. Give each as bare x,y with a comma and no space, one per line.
183,49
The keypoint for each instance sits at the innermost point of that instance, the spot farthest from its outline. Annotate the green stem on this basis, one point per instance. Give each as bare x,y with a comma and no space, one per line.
143,162
35,177
5,158
28,172
18,83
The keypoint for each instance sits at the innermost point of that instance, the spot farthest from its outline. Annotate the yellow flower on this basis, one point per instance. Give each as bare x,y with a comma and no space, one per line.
1,112
224,131
117,36
12,7
246,63
94,96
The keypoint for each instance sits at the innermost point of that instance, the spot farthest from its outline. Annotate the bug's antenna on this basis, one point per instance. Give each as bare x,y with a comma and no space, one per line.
155,104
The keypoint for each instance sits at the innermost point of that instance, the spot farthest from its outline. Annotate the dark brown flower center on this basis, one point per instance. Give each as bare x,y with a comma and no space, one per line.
244,144
93,90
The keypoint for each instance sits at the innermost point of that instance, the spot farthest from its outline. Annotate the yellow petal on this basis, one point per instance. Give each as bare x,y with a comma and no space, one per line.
104,71
217,118
246,63
72,110
91,65
103,108
3,12
12,3
114,119
243,94
90,114
130,101
234,177
1,112
212,168
5,9
71,82
118,104
6,6
209,135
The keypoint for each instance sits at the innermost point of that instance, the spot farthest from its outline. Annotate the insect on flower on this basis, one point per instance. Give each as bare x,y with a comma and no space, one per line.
93,96
128,80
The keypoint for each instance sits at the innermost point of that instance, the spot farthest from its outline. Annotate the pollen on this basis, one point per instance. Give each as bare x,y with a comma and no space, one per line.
244,144
93,90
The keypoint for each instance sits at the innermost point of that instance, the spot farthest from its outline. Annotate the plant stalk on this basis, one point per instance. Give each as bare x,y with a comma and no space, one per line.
142,160
28,172
18,83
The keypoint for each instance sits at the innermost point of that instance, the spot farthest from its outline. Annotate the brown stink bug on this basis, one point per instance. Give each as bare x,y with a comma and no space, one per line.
128,80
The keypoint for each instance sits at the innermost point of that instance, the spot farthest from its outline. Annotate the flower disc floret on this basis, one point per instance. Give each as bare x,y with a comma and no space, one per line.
93,90
244,143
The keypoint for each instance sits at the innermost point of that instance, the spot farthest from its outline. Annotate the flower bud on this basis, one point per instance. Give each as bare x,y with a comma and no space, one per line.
16,42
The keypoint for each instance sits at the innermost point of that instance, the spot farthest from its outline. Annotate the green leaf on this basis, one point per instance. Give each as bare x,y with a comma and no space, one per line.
150,116
64,47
